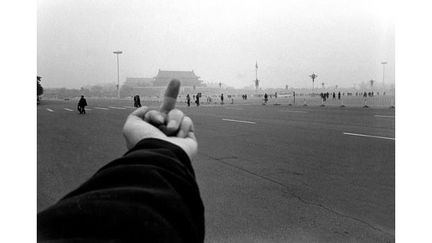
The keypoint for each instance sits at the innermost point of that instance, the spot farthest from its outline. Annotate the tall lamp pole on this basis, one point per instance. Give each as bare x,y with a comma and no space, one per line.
313,76
256,76
118,73
383,63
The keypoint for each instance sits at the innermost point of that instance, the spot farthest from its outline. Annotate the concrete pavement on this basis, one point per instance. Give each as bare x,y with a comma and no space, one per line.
289,175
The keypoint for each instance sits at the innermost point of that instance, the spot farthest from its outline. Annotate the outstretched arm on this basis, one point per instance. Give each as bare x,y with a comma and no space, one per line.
149,194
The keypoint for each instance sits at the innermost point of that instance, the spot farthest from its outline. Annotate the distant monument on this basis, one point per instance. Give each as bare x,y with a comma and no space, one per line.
256,76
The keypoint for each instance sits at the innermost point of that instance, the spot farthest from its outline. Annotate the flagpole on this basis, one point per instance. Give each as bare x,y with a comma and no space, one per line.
256,75
256,71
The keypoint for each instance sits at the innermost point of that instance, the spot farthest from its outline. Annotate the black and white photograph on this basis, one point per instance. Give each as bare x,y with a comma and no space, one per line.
215,121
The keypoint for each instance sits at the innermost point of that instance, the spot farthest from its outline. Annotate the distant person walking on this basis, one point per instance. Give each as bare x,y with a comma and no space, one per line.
323,96
265,98
82,103
137,101
188,99
197,101
339,96
222,99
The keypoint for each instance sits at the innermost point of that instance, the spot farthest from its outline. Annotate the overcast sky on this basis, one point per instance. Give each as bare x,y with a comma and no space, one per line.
344,42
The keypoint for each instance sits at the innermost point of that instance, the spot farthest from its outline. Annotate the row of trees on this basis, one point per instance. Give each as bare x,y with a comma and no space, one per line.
99,90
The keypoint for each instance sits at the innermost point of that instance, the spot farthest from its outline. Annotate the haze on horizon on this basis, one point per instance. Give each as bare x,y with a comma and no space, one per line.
344,42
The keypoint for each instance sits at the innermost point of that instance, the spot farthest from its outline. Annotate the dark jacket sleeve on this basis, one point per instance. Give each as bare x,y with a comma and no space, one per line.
148,195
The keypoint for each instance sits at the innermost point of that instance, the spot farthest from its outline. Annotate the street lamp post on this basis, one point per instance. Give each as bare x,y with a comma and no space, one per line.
256,76
383,63
313,76
118,72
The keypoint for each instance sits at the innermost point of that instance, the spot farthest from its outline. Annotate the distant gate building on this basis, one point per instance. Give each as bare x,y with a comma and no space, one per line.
187,78
155,87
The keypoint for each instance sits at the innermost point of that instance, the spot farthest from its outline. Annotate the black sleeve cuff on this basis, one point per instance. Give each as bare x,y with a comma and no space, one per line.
172,150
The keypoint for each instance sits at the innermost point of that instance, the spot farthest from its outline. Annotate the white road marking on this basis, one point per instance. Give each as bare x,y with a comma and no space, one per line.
295,111
231,108
384,116
101,108
129,107
49,110
118,108
67,109
369,136
249,122
87,109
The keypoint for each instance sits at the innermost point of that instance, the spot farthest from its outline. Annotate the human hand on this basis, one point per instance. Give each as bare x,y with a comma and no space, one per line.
168,124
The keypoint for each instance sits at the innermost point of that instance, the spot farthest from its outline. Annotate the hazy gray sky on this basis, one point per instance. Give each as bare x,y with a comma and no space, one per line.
344,42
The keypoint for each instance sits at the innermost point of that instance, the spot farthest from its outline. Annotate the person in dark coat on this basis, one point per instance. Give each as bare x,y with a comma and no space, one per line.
149,194
197,99
265,98
222,99
339,95
138,101
82,103
188,99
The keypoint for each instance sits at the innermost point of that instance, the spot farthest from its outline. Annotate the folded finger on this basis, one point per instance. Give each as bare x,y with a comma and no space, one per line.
185,127
140,112
154,117
174,121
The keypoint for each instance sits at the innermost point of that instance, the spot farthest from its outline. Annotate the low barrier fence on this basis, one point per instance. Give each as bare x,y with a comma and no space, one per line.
354,101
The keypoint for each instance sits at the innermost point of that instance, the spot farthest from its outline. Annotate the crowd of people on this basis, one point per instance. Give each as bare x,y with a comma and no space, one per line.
325,96
82,103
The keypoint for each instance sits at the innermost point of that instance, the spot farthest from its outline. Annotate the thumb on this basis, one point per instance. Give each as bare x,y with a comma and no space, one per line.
170,97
